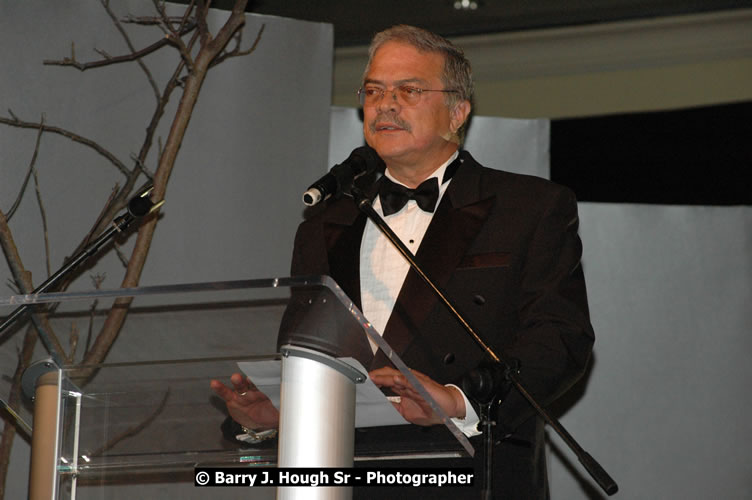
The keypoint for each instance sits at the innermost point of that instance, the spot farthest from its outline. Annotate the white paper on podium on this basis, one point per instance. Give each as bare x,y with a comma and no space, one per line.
371,406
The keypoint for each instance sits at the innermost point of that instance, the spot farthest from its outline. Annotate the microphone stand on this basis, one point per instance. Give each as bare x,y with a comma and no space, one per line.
588,462
487,423
139,206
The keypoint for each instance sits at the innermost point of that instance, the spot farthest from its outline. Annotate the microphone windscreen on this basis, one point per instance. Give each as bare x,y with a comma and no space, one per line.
140,206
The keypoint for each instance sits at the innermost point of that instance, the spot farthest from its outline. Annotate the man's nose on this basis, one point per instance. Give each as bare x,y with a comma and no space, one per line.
389,101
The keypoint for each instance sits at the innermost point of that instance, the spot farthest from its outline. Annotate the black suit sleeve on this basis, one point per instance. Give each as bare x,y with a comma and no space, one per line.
555,339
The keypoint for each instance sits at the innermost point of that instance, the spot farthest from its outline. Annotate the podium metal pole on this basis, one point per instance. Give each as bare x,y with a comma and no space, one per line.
317,419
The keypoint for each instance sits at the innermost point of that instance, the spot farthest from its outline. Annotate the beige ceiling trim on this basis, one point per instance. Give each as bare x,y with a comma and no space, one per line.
601,47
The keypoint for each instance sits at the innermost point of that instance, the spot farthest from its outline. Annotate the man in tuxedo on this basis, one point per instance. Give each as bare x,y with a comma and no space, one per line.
504,248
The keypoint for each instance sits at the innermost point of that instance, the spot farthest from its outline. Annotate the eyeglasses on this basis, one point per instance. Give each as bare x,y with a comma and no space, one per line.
405,94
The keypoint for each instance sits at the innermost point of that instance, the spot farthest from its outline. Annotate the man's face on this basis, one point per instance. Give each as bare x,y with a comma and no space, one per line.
409,136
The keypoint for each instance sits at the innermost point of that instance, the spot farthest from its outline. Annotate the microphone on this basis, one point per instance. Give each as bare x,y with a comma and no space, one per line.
341,176
141,205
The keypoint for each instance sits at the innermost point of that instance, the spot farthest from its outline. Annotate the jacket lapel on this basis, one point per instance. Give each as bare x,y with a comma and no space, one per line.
343,242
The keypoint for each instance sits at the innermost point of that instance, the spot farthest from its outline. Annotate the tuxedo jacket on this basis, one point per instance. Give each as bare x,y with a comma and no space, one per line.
504,249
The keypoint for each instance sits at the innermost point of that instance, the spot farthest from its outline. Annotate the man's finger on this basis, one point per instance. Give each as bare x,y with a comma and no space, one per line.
222,390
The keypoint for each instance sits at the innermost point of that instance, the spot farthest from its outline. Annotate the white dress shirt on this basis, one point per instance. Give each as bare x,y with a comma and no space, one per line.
383,269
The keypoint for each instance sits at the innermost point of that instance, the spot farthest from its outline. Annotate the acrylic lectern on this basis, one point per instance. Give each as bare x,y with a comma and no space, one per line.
138,424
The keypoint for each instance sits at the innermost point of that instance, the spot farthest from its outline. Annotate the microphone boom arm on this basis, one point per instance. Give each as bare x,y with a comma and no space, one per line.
138,207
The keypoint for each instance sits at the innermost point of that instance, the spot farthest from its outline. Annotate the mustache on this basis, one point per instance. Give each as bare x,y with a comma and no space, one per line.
391,118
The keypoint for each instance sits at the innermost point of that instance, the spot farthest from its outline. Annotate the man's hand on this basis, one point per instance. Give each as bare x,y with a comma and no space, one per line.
246,404
412,406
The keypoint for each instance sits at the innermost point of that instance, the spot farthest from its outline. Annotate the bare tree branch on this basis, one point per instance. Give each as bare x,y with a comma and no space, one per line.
140,164
153,20
41,126
205,55
123,258
12,285
72,344
72,61
103,53
117,203
166,23
185,53
28,173
203,28
43,215
22,278
236,52
119,27
186,15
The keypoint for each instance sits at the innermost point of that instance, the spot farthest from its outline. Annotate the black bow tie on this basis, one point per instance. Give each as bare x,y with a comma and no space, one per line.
395,196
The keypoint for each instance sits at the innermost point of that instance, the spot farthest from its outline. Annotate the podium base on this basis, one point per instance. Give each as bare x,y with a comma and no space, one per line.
317,417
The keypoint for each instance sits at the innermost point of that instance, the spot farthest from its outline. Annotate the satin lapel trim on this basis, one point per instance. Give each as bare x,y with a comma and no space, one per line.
343,249
446,241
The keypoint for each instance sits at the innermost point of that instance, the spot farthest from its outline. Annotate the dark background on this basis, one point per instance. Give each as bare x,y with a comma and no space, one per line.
355,22
697,156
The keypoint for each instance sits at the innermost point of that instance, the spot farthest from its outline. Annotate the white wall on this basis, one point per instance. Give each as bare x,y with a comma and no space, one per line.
665,407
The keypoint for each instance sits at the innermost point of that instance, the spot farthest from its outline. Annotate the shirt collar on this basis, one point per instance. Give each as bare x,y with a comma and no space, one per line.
438,173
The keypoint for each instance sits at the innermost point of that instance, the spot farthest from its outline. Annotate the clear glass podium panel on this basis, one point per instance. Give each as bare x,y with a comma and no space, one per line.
147,415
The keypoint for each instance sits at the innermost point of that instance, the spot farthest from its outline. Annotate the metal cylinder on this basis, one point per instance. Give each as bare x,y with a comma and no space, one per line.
317,418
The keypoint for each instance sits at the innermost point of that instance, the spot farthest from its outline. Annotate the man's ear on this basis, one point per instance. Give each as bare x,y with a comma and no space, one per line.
459,114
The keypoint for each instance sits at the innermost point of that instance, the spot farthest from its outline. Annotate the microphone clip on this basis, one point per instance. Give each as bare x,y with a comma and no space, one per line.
490,381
